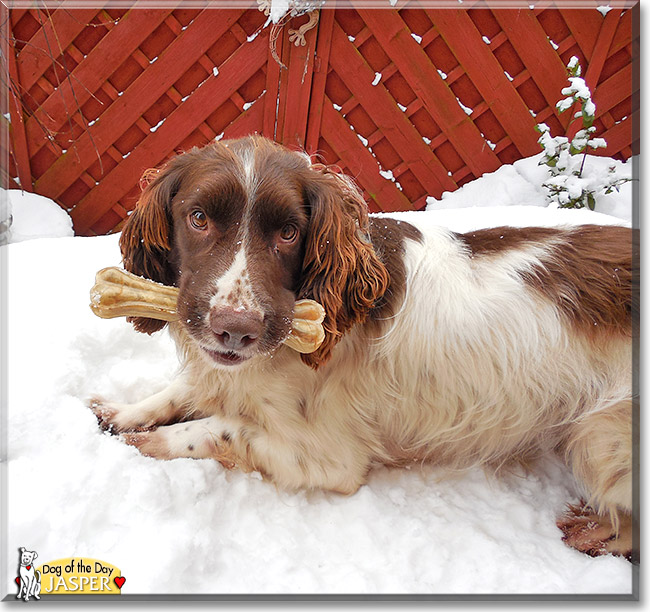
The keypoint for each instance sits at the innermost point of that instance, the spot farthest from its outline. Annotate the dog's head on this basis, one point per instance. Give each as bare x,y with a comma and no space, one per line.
244,228
27,557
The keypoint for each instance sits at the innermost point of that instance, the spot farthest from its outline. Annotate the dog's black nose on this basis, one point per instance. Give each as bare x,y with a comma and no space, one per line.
236,329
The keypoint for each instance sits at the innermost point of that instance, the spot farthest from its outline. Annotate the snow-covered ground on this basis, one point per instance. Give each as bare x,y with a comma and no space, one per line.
34,217
187,526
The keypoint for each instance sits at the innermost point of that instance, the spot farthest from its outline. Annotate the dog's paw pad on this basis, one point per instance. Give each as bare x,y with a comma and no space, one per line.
592,534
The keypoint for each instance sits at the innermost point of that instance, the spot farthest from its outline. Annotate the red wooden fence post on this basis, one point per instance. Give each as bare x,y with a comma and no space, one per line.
18,138
295,87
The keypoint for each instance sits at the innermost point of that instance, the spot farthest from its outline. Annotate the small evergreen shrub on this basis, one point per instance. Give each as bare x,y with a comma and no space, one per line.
568,185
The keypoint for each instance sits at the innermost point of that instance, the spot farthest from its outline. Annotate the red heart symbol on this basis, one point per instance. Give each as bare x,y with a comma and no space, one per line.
119,581
17,580
29,567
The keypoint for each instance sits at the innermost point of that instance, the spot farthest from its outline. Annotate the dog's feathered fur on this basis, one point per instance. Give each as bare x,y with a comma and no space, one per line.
474,349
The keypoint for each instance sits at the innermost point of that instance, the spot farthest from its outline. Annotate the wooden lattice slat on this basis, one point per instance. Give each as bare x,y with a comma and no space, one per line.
411,100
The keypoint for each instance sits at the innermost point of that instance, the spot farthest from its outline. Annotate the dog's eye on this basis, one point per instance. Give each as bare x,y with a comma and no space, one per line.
289,233
198,220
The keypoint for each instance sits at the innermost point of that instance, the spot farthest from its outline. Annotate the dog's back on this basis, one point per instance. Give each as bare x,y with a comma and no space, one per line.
504,336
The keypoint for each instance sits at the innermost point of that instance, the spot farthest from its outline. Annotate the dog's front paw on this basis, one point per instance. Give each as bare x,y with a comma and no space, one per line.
104,413
191,439
149,443
115,418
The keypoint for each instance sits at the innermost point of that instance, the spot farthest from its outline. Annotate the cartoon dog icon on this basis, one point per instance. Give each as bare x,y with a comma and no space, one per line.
30,579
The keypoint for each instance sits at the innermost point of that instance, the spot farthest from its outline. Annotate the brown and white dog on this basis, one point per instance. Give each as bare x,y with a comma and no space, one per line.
460,349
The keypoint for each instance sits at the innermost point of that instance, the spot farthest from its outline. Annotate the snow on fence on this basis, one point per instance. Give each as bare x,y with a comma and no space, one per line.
410,101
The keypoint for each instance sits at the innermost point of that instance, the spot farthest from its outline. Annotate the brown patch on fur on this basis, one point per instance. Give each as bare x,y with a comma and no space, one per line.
495,239
595,535
146,236
340,268
589,277
388,236
587,272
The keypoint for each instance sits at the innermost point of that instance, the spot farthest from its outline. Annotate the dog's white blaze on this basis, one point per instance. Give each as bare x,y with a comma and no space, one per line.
250,182
234,287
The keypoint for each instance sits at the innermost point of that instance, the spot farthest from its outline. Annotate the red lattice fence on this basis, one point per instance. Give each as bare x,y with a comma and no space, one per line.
410,100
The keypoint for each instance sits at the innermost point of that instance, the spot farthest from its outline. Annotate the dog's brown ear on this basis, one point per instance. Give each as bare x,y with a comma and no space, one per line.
146,237
340,267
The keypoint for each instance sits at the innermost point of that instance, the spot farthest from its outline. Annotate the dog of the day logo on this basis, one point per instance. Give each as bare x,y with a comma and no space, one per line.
71,576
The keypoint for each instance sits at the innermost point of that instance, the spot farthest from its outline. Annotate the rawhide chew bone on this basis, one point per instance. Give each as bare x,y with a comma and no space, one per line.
307,332
118,293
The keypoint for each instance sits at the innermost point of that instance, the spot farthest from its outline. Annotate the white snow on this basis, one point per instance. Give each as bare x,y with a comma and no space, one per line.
574,63
278,9
577,89
155,127
521,183
27,215
468,111
253,36
187,526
